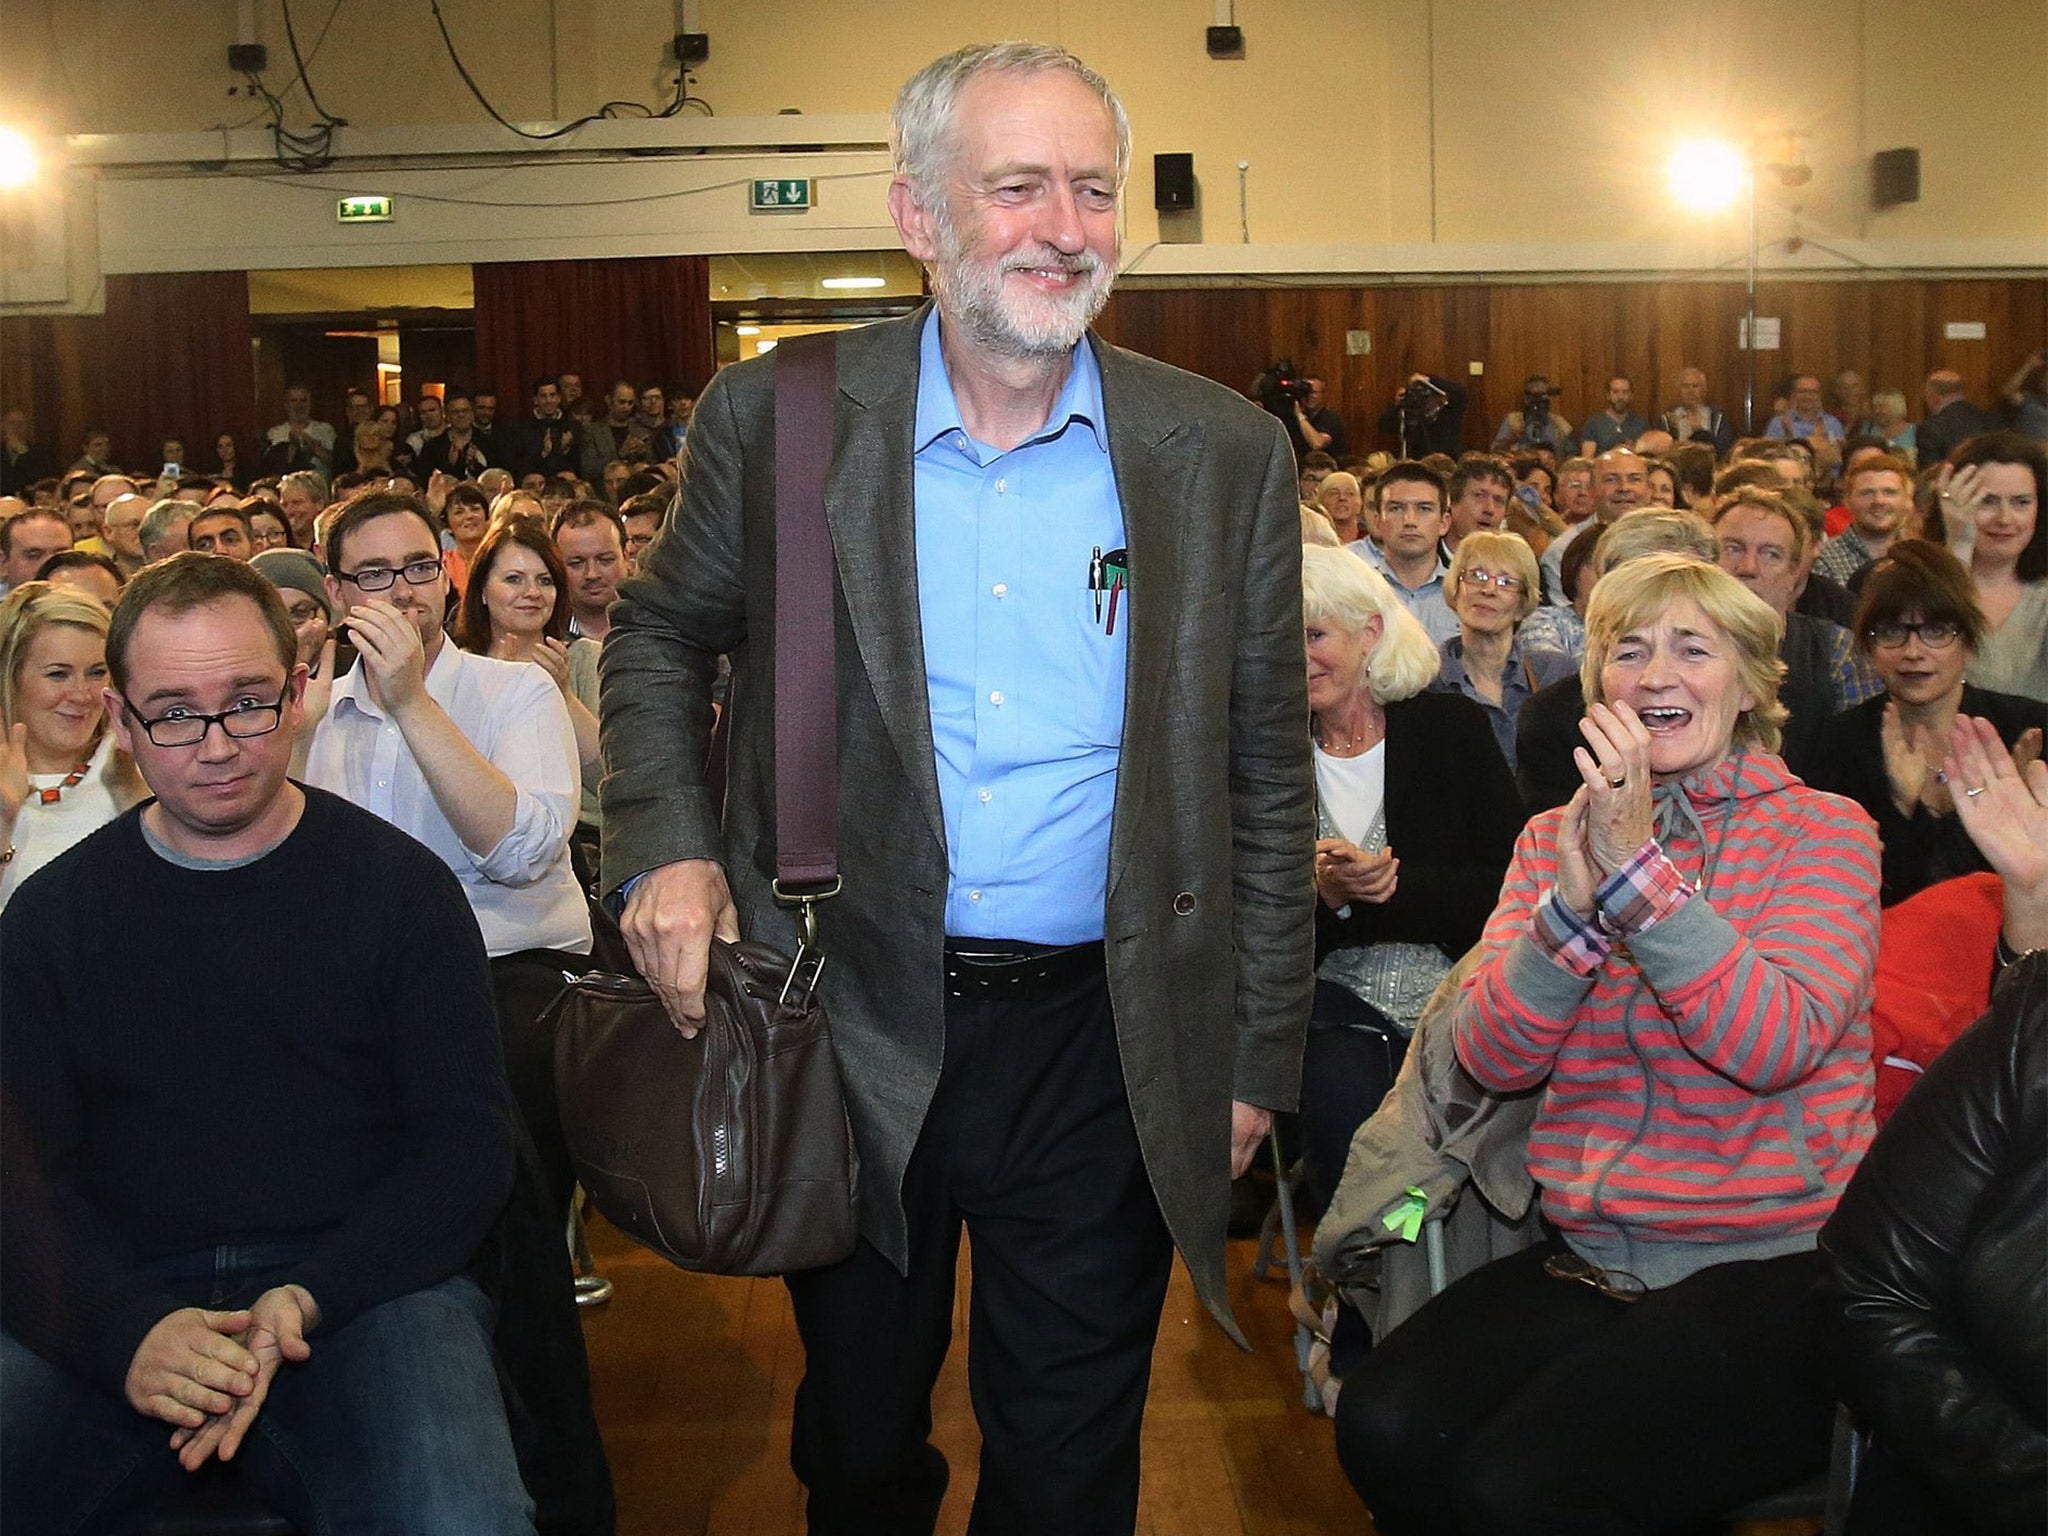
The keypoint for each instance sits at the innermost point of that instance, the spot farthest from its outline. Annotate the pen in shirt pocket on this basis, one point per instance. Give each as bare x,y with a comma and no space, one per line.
1116,575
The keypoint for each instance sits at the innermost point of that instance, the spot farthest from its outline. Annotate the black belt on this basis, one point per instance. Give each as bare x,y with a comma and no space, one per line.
985,969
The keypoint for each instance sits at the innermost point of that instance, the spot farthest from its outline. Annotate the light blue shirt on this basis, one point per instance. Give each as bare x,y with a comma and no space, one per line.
1426,602
1023,666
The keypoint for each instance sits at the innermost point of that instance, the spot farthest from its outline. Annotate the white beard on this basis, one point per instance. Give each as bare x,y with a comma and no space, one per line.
1023,325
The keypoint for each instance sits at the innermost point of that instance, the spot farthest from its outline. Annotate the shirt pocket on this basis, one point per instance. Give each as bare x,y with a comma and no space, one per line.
1100,635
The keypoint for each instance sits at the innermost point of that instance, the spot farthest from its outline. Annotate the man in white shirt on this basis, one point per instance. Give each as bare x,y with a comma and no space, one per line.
298,426
1412,524
476,758
473,756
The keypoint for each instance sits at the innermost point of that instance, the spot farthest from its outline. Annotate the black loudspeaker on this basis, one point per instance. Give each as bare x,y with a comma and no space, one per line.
1894,177
1173,183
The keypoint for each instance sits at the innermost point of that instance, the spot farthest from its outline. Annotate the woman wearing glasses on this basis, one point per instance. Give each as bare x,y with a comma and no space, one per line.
1679,964
1492,587
61,775
1920,626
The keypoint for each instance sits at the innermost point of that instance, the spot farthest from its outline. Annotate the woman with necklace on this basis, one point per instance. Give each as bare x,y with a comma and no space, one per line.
61,775
1397,768
1989,512
1919,625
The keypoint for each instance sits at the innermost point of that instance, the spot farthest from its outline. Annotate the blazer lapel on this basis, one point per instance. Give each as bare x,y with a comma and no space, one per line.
869,505
1153,453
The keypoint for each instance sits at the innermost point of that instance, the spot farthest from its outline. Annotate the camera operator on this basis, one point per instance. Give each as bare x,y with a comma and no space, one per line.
1535,425
1296,401
1427,416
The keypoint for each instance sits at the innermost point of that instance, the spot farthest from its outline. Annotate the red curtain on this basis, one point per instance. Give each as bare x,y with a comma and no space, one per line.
178,364
646,319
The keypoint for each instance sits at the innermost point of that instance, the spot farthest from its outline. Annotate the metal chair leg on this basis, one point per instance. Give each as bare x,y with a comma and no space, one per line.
592,1289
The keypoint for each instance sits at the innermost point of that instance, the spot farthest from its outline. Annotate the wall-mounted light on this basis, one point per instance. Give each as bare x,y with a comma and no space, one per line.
17,159
854,282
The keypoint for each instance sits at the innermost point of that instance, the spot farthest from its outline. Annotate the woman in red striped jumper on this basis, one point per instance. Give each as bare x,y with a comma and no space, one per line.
1681,964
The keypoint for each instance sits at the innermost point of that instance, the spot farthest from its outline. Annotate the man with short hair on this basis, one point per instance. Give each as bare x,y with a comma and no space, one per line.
299,434
1803,418
1479,489
166,529
1065,998
222,529
1620,483
1951,418
1320,428
614,435
456,448
1763,545
1410,554
1693,419
591,539
23,461
1878,491
642,517
573,403
485,401
1619,425
123,532
98,455
279,1284
1575,491
432,411
26,541
301,498
546,443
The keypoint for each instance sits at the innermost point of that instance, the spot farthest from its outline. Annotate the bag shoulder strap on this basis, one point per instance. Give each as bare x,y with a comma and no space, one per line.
806,687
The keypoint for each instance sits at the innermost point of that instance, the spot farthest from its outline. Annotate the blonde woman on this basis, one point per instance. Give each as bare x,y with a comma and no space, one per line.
1492,588
1680,965
61,776
1339,499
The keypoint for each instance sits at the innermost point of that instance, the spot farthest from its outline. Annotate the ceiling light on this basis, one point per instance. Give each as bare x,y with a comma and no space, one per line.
854,282
746,330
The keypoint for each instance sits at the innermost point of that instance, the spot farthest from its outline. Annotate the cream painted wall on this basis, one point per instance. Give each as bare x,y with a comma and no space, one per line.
1383,135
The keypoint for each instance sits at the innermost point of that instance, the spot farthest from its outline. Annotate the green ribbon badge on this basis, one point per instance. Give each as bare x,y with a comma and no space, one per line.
1406,1218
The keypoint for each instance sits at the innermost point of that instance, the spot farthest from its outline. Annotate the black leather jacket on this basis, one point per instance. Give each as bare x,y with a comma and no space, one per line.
1937,1278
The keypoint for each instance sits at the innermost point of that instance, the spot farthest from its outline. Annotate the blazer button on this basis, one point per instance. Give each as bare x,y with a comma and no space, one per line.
1184,903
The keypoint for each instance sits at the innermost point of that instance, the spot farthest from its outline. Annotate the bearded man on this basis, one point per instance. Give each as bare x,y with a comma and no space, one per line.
1071,965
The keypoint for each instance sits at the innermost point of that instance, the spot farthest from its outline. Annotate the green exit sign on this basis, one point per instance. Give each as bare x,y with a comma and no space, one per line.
781,196
363,210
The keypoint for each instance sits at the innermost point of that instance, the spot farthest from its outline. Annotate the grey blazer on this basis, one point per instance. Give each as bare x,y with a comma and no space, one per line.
1211,886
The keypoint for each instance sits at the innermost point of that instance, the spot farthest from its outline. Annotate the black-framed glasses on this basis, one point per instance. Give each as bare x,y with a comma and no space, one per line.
376,578
1472,576
1614,1284
189,728
1935,634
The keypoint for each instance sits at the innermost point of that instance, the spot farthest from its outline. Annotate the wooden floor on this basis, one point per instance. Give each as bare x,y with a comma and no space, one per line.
694,1378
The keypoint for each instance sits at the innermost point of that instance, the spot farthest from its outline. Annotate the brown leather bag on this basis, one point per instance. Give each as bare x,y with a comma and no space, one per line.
731,1152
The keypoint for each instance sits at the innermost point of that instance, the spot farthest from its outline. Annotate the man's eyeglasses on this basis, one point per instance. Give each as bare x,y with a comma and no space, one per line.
376,578
1472,576
1935,634
1614,1284
185,728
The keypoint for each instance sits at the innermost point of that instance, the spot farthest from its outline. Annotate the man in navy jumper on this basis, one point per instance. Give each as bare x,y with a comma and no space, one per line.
243,1181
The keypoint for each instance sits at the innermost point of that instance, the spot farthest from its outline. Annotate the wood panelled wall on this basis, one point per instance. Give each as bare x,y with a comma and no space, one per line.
1891,330
1577,333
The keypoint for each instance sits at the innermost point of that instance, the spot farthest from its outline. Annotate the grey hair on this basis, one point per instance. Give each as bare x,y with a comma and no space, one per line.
921,139
311,481
156,523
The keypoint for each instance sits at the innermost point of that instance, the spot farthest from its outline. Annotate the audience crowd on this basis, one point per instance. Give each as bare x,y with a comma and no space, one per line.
1632,740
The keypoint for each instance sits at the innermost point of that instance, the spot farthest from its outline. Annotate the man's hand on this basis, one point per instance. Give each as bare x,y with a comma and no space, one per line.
671,917
1249,1127
394,660
280,1319
190,1366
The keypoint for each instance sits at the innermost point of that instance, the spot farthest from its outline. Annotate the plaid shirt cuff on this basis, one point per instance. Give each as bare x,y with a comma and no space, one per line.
1640,894
1568,938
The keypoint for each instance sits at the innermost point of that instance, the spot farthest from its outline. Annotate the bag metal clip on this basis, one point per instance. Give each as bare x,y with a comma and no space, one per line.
809,962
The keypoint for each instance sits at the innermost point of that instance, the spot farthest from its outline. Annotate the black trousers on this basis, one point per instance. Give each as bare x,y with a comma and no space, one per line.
1517,1402
1029,1144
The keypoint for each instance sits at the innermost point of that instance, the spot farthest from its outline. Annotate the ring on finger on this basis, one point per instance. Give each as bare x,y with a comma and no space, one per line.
1974,792
1617,780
